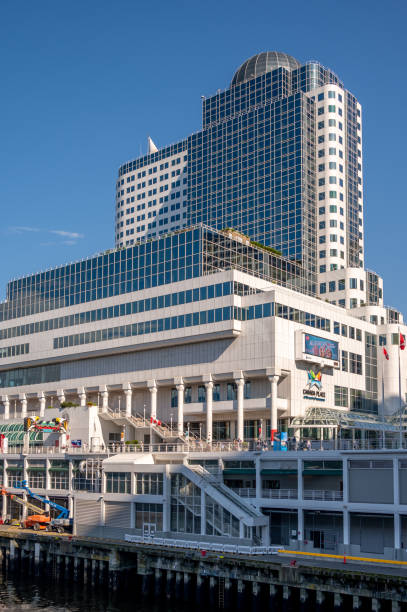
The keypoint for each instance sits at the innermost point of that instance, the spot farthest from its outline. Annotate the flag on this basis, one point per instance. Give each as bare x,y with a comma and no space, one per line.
402,342
386,354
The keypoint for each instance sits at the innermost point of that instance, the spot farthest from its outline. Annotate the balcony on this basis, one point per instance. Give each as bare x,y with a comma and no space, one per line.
318,495
280,493
245,492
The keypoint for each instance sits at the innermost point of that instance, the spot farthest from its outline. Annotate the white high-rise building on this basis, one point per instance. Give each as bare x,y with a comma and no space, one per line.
151,195
279,158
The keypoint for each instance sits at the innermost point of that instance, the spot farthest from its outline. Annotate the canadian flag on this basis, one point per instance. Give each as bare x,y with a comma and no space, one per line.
155,421
386,354
402,342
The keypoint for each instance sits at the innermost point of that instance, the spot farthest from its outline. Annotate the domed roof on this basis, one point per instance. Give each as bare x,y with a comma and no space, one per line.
262,63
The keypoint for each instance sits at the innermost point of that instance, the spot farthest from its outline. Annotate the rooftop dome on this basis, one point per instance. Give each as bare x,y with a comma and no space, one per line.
262,63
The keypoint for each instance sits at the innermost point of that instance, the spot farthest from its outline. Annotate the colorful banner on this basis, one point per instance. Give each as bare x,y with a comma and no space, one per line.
321,347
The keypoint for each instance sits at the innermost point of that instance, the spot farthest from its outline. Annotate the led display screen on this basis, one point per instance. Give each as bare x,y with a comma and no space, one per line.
321,347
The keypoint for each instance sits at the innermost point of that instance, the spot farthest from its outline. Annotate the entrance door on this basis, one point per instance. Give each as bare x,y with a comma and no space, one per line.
325,540
149,530
317,538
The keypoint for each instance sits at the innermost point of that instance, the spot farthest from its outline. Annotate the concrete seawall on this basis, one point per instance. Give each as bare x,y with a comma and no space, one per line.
222,581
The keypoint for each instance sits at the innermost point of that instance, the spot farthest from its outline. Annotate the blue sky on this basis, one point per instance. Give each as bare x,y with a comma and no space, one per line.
84,83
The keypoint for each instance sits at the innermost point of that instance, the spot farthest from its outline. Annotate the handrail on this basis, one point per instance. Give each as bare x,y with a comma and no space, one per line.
280,493
323,495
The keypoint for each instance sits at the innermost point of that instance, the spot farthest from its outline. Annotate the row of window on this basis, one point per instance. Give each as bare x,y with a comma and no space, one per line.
120,310
351,362
206,317
146,484
348,398
190,319
15,350
151,158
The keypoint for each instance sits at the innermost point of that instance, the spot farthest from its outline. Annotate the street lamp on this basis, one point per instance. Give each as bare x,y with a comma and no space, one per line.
144,415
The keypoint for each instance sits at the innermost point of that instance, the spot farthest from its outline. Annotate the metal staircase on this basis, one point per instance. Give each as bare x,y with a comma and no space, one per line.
215,480
119,417
221,494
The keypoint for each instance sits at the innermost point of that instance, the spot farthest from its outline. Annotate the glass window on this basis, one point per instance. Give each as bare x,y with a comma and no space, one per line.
118,482
216,392
247,389
341,396
231,391
201,394
345,366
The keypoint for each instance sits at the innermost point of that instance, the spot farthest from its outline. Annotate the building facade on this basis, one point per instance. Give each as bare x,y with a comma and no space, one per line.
235,312
279,158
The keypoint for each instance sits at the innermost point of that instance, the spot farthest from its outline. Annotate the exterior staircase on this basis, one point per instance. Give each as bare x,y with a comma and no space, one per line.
119,417
223,495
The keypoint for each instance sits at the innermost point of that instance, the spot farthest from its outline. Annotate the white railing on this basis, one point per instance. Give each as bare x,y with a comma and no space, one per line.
323,495
245,492
213,475
203,546
195,446
280,493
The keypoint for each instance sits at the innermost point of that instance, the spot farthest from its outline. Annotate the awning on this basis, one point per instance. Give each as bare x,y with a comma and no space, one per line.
14,432
322,417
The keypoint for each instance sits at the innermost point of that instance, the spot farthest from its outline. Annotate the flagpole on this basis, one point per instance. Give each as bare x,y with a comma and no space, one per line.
383,410
400,421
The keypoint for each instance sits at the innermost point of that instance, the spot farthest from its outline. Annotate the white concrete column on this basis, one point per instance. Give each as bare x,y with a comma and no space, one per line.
4,507
396,482
300,480
273,403
203,512
300,530
23,405
345,480
397,530
61,396
346,528
5,473
258,478
6,403
47,474
128,394
105,399
240,409
82,397
300,495
42,404
262,435
167,499
209,410
180,419
153,399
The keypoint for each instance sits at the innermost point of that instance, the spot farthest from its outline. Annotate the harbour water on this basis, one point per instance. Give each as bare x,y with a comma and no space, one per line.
19,592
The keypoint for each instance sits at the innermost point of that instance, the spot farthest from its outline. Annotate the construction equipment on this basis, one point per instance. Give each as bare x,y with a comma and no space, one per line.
37,521
41,520
60,523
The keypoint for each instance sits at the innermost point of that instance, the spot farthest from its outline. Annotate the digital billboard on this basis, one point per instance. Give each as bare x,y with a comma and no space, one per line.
321,347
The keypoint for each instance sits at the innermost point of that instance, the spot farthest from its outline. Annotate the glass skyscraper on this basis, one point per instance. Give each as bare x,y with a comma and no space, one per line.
279,158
